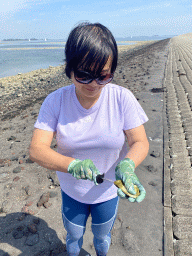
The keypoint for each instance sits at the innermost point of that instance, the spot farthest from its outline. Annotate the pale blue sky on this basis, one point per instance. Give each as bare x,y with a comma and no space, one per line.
54,19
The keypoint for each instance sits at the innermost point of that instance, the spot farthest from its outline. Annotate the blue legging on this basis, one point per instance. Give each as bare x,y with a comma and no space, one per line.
75,215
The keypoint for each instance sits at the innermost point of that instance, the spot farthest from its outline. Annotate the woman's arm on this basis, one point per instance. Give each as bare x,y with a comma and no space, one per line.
138,144
41,153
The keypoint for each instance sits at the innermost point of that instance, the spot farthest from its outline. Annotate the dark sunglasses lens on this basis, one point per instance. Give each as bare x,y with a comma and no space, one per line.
104,79
83,77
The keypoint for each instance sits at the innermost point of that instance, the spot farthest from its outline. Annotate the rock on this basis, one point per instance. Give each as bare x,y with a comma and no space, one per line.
151,168
25,209
17,170
16,178
32,239
157,90
53,178
43,199
19,232
32,228
36,221
155,153
22,217
27,190
47,204
11,138
29,161
6,206
152,183
52,194
14,158
29,203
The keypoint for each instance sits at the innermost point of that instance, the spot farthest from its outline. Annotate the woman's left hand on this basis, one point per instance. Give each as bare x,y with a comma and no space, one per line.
125,172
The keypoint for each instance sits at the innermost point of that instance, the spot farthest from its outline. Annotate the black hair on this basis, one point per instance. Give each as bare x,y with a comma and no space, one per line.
89,47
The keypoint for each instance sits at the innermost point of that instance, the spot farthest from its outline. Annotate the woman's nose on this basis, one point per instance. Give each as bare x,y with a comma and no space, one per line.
93,83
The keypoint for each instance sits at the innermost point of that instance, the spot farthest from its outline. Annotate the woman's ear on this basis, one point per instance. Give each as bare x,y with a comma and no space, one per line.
71,75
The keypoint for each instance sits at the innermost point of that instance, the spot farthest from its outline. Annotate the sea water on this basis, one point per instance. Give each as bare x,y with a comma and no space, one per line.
21,56
25,56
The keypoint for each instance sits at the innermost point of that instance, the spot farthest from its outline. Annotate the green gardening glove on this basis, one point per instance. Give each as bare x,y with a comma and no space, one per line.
125,171
83,170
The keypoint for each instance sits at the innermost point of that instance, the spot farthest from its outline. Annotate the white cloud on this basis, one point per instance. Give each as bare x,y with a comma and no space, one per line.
143,8
12,6
147,7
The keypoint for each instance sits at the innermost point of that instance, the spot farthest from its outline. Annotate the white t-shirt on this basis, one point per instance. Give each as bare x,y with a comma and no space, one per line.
96,133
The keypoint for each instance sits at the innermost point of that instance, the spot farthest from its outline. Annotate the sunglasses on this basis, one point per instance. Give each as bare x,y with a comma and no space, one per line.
86,78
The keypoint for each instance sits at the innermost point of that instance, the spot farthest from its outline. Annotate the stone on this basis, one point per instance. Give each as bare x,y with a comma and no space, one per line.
29,203
152,183
32,239
27,190
32,228
22,217
11,138
47,204
151,168
36,221
17,170
18,234
43,199
14,158
52,194
16,178
29,161
155,153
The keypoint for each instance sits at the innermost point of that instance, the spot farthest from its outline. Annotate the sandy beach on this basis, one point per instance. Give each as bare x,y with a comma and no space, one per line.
30,199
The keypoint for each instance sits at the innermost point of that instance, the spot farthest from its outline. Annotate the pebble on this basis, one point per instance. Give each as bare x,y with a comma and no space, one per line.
18,234
27,190
16,178
17,170
29,203
47,204
152,183
43,199
32,240
155,154
151,168
32,228
14,158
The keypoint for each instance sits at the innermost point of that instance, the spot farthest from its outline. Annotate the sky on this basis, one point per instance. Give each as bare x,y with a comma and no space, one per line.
54,19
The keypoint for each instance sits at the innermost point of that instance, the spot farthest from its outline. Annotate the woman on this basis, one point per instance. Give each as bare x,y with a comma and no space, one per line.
91,118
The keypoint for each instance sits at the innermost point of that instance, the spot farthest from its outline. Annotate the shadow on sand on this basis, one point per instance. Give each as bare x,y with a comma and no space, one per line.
23,234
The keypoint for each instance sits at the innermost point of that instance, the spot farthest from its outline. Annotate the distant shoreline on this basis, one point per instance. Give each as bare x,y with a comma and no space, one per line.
129,38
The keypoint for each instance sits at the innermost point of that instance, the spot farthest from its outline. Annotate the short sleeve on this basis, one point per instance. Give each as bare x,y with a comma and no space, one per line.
134,114
48,114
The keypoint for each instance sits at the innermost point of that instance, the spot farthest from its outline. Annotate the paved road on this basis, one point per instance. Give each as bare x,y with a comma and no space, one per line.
178,147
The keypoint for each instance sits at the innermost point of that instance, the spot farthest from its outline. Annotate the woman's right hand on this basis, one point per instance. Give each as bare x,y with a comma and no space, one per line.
83,170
